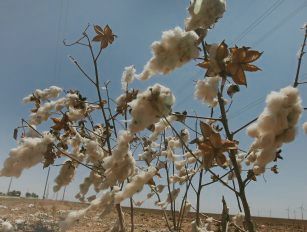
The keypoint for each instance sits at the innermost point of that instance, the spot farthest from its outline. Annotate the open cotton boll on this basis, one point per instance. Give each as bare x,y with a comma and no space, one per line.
275,125
206,90
204,13
136,184
6,226
176,48
65,176
238,219
103,203
94,152
305,127
128,76
45,94
160,126
121,163
72,218
29,153
150,106
93,179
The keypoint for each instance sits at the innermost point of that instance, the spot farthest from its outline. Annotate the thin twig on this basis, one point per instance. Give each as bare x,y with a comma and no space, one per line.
244,126
300,58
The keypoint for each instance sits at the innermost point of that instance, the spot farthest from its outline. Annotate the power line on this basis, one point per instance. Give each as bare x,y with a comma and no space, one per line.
281,23
260,19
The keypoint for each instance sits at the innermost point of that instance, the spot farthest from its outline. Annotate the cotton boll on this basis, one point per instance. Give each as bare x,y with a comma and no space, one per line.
150,106
180,164
72,218
29,153
275,126
6,226
128,76
103,203
94,152
161,126
238,219
65,176
204,13
206,90
121,164
136,184
176,48
45,94
42,114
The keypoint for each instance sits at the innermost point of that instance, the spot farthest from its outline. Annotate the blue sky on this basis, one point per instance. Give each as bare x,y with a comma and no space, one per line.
33,56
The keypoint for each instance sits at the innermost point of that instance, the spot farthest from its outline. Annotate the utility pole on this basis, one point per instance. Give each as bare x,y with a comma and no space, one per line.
302,211
47,193
44,194
10,184
294,212
288,211
64,193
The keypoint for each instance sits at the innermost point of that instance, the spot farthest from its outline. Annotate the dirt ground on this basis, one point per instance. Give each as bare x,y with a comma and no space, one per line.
32,215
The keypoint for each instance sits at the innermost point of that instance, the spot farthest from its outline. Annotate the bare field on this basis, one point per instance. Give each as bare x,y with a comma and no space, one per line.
45,215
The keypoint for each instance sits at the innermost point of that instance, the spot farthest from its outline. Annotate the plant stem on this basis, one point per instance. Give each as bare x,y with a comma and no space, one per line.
198,197
300,58
248,222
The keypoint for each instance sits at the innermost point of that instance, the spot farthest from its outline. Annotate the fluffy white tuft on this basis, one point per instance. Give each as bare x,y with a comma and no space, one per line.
128,76
45,94
206,90
150,106
136,184
121,164
65,176
204,13
29,153
6,226
176,48
275,126
103,203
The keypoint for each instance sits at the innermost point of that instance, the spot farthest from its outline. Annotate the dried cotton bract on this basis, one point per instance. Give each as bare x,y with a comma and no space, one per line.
150,106
176,48
275,126
206,90
29,153
204,13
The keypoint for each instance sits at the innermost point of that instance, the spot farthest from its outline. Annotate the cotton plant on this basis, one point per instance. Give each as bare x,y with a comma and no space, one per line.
141,144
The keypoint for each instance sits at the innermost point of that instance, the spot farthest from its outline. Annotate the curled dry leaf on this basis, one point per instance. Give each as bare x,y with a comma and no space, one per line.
123,104
232,89
104,36
49,156
60,123
275,169
213,146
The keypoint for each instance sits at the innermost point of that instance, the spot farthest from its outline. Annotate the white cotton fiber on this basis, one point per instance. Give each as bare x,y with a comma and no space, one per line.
29,153
204,13
176,48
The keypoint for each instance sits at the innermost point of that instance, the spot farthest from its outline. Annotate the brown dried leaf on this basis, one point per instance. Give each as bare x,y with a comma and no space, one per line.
15,134
232,89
